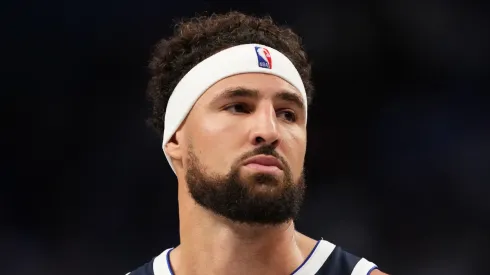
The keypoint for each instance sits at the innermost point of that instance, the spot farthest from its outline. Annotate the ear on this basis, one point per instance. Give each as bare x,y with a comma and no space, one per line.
174,147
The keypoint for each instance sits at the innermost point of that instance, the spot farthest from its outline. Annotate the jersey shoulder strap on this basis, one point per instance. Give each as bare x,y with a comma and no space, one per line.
146,269
160,265
341,262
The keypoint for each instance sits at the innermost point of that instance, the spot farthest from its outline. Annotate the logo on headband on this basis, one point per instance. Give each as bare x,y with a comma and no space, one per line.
264,57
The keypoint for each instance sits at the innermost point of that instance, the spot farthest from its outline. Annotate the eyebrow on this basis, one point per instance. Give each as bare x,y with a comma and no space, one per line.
242,92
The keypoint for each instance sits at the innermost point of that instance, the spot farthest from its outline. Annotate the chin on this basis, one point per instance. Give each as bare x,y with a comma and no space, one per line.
263,179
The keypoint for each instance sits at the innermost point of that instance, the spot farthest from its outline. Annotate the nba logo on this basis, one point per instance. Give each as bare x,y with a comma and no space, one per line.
264,57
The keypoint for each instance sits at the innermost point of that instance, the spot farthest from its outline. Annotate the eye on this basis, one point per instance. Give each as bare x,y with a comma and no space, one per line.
238,108
287,115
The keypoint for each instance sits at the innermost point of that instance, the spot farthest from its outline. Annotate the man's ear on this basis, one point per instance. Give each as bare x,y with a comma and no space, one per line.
174,146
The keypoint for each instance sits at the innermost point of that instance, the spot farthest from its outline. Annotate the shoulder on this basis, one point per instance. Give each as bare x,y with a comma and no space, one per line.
157,266
341,262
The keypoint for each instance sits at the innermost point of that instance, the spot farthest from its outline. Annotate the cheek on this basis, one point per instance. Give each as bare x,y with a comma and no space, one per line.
216,143
296,148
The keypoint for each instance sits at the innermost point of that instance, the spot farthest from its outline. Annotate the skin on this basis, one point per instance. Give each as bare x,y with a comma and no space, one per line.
220,128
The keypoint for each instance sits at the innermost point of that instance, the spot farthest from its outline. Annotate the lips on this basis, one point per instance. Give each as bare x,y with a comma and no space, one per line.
264,161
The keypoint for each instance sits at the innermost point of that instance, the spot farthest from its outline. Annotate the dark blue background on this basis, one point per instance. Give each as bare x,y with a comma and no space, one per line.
399,138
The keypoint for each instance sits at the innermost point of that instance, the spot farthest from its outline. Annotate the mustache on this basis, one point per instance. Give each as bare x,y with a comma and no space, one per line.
263,150
266,150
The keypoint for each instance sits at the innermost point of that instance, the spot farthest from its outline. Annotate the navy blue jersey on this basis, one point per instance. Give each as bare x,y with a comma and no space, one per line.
324,259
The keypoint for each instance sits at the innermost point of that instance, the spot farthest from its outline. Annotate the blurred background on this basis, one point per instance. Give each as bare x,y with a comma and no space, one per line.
398,165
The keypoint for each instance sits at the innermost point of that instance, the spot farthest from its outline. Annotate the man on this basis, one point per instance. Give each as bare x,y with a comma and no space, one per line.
230,95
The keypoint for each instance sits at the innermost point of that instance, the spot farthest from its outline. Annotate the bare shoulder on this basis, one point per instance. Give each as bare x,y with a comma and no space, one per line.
377,272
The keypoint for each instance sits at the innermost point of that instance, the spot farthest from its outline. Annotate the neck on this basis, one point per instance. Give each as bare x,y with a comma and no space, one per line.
219,246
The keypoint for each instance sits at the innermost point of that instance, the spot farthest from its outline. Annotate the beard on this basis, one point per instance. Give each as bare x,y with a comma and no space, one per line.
256,199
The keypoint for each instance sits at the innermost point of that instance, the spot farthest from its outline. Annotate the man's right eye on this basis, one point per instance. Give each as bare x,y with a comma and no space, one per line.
238,108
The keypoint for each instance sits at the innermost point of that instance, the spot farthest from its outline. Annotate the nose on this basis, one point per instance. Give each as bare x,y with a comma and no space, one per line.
264,129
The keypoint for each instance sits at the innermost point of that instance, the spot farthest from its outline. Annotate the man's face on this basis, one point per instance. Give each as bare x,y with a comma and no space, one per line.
245,140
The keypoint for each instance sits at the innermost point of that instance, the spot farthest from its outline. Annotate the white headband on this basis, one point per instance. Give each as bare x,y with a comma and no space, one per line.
248,58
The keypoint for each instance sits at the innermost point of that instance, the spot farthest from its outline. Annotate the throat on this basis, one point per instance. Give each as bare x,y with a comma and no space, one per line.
240,256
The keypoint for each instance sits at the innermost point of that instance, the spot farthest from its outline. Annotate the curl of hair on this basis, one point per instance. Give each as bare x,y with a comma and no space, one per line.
197,38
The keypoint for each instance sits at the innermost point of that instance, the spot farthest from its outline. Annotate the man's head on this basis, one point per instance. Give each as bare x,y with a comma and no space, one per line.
241,147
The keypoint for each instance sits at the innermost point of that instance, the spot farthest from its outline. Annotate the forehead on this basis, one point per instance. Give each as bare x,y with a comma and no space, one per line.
266,84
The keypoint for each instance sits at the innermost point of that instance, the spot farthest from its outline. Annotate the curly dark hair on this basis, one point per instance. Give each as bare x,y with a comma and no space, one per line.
197,38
